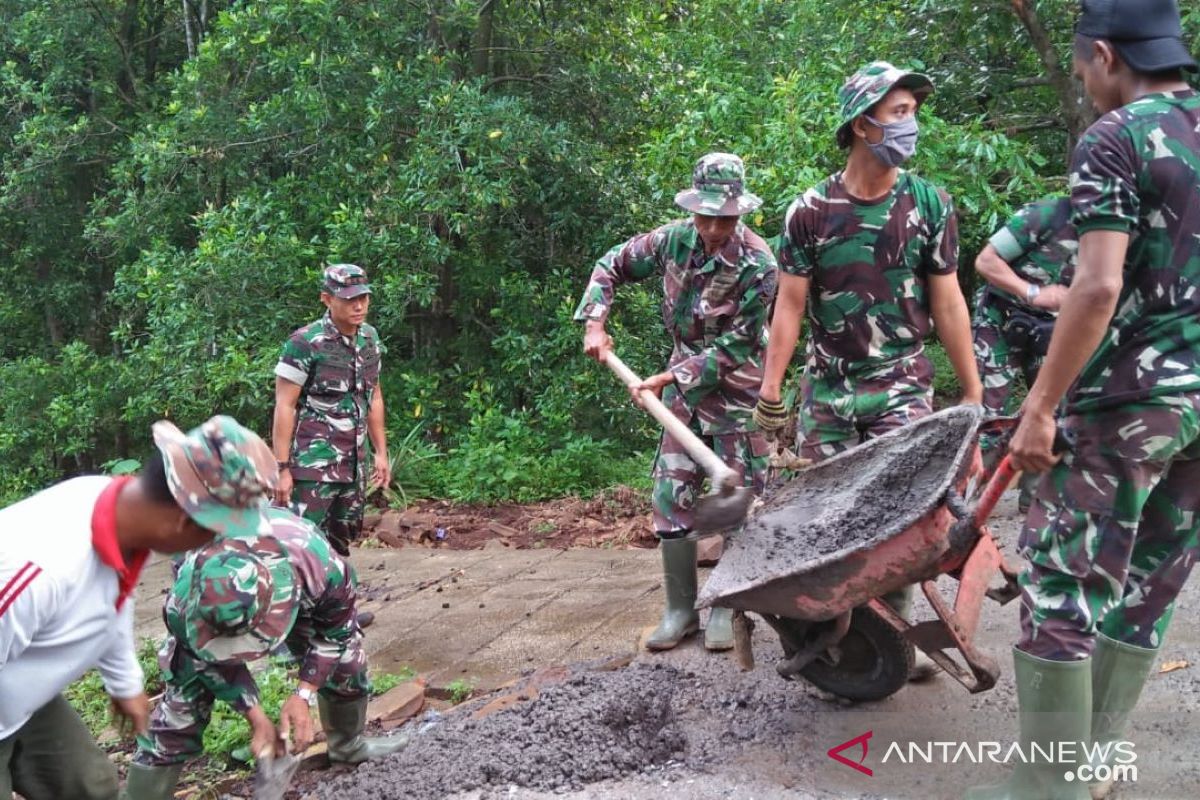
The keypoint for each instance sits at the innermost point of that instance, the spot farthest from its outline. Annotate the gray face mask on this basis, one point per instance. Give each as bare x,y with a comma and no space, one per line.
899,141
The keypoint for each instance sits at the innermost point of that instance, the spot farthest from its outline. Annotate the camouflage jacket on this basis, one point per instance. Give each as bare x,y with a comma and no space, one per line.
1040,245
338,379
325,626
868,264
715,310
1137,170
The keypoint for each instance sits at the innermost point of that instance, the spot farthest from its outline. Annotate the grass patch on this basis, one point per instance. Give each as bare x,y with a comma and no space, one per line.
228,734
459,690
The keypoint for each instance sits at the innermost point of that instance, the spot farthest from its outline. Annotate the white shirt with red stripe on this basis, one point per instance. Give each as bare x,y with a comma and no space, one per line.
65,603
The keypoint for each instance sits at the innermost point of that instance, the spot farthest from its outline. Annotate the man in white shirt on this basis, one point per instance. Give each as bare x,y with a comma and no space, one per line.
70,557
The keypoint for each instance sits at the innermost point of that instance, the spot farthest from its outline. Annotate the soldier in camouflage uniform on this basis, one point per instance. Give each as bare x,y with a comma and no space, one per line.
1027,265
330,370
871,255
1112,535
233,602
70,559
718,282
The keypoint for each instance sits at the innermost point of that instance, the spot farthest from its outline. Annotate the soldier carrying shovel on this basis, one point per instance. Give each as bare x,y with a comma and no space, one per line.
718,282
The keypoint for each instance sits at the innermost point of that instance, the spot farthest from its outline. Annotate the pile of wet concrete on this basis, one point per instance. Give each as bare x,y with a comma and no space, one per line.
591,726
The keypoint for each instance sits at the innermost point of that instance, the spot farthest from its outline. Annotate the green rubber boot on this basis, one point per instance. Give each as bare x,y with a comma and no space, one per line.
343,722
718,633
1119,671
1056,703
679,618
151,783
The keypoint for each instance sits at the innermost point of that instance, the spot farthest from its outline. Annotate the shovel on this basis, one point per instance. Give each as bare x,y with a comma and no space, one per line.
274,774
728,502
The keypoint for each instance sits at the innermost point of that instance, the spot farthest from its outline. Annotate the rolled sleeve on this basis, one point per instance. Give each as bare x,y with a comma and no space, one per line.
297,360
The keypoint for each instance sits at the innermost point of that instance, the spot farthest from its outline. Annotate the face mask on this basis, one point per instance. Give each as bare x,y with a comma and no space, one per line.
899,141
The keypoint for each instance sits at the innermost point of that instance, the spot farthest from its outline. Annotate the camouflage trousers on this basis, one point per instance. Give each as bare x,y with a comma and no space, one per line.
1113,532
1000,368
335,508
678,479
178,722
841,413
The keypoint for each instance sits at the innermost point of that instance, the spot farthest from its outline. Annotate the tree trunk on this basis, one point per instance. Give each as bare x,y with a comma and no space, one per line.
481,57
1077,111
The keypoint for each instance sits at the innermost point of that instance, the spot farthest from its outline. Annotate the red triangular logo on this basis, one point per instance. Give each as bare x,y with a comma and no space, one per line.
836,753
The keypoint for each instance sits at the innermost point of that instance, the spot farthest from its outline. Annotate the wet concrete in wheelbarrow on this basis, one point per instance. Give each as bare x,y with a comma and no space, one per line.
870,493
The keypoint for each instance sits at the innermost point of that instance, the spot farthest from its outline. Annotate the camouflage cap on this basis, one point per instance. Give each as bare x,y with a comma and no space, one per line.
237,599
718,188
346,281
869,85
220,473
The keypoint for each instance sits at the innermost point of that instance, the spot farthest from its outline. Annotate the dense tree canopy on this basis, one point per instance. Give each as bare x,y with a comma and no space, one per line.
174,174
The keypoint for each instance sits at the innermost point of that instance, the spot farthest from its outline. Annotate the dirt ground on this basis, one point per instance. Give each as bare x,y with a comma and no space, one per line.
617,518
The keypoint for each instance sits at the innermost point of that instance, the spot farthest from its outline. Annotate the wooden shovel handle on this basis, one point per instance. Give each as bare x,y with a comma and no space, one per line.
721,475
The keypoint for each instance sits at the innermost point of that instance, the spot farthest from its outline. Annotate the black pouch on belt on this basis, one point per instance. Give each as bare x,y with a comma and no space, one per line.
1028,333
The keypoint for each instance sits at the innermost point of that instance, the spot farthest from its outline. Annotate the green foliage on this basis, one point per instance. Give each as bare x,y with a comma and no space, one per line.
88,697
459,690
386,681
171,186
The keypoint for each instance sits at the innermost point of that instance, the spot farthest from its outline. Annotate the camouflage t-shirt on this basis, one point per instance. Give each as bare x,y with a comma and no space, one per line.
1137,170
868,263
338,375
1039,244
324,634
715,310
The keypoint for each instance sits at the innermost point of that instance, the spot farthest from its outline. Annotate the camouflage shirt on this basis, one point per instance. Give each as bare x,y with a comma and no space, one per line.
338,375
1137,170
715,310
324,629
1039,244
868,263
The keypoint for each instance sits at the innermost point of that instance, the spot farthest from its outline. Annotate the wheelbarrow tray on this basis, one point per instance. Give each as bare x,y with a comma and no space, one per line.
851,528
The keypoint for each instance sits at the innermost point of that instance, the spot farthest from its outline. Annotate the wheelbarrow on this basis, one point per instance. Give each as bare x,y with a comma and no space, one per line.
815,560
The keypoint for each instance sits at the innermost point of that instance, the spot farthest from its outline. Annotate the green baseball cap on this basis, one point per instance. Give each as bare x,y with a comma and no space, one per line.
718,188
237,598
871,84
220,473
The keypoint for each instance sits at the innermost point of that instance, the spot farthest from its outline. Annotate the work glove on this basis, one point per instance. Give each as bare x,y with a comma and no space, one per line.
770,416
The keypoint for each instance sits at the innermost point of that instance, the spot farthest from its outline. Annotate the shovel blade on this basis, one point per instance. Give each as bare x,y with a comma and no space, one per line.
274,776
720,511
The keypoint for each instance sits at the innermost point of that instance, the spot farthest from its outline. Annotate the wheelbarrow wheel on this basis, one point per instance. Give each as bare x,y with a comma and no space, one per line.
873,661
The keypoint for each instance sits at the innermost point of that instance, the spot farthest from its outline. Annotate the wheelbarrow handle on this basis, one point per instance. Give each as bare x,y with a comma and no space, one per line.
722,476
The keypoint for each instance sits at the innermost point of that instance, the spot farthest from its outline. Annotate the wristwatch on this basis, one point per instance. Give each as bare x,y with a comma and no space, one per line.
283,465
1032,290
307,695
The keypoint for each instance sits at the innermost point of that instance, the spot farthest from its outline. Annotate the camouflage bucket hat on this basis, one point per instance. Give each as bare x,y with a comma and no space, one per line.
869,85
237,598
346,281
718,188
220,473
